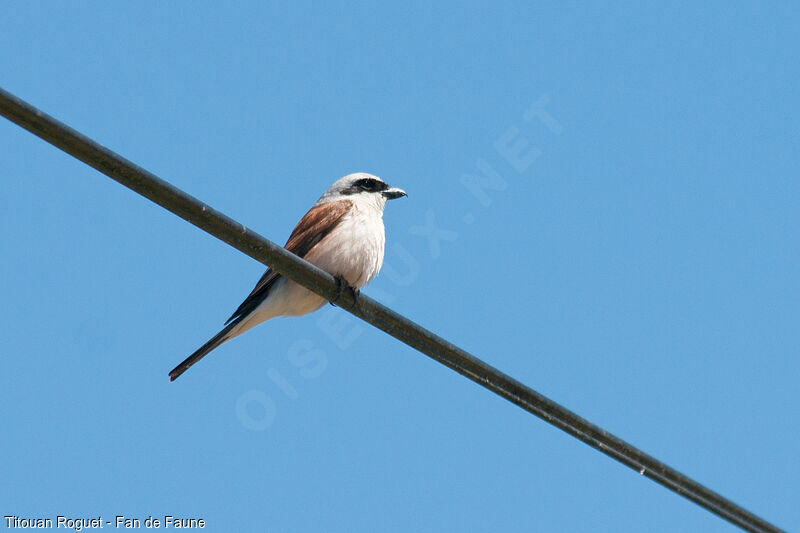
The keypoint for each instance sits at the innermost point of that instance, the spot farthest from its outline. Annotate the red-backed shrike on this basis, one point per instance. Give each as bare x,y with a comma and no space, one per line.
342,234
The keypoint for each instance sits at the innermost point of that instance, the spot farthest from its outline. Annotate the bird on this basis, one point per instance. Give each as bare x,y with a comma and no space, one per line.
342,233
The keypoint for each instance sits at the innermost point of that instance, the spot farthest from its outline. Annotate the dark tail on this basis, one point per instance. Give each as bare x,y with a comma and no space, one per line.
215,341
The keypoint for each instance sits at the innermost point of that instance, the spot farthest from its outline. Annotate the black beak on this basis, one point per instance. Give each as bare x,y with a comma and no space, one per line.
393,192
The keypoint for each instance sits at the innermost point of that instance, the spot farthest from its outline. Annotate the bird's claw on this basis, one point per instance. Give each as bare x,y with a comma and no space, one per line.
341,287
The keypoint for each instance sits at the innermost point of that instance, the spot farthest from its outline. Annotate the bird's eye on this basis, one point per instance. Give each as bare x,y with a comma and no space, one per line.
370,185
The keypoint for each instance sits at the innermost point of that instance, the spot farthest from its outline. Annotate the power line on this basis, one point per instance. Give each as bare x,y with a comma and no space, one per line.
319,281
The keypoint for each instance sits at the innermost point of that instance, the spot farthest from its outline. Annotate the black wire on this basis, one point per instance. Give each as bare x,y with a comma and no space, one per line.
299,270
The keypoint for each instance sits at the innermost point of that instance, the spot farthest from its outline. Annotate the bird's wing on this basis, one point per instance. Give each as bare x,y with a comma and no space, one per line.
312,228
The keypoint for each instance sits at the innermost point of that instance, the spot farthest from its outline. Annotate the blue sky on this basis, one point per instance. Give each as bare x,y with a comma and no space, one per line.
636,261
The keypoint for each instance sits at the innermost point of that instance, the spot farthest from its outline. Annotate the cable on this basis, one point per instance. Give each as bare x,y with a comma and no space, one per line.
303,272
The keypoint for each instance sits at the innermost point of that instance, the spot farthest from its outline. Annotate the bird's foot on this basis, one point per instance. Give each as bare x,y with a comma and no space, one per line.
341,287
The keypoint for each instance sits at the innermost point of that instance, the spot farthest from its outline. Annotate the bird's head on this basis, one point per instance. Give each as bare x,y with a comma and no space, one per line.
362,187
